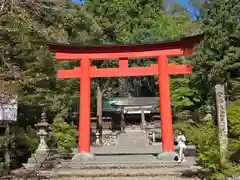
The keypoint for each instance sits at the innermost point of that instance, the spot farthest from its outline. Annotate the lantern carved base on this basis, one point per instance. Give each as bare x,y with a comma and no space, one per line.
39,156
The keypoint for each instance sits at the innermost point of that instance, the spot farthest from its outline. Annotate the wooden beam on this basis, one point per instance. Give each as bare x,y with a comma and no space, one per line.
115,55
69,73
179,69
122,72
123,63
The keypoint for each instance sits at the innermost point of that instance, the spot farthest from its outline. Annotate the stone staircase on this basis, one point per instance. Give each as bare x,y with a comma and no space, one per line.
146,168
123,168
131,159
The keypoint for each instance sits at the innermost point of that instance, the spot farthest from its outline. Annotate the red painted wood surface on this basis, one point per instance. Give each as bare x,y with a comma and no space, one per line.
123,53
69,73
85,104
165,105
114,55
125,71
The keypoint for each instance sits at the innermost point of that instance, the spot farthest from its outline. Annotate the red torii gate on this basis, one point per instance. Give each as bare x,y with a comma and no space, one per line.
163,69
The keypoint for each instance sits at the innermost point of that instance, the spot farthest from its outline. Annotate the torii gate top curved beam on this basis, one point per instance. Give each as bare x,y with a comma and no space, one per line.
184,46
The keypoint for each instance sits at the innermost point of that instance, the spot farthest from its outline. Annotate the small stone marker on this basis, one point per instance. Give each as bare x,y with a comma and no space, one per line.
97,143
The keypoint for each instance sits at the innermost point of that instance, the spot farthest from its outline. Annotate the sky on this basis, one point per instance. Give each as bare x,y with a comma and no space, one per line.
184,3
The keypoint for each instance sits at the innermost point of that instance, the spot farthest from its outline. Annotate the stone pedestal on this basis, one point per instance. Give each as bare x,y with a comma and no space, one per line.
83,157
167,156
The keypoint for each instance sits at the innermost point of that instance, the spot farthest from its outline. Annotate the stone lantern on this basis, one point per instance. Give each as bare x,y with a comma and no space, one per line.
42,151
97,142
42,127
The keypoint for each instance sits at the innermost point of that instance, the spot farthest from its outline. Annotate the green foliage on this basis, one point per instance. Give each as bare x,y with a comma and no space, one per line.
218,57
205,137
234,130
183,97
233,119
21,144
62,136
129,21
217,61
25,29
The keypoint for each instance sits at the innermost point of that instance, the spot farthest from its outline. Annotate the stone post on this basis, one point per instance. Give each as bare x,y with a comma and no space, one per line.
99,112
122,121
143,121
222,120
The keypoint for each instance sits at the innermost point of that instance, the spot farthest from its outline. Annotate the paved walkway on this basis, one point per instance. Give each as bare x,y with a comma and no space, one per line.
132,139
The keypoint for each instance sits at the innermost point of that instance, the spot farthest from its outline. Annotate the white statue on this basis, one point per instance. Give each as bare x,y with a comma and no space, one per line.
181,140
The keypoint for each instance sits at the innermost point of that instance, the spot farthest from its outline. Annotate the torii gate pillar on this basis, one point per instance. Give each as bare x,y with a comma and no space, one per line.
165,104
85,108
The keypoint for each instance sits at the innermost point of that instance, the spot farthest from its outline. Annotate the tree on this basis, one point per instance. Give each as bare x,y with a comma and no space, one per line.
129,21
26,26
217,62
218,57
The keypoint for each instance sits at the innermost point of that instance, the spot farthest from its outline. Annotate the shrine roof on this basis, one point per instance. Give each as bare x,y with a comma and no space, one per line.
189,41
115,104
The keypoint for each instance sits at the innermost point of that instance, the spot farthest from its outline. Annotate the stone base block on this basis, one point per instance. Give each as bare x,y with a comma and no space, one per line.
29,166
83,157
167,156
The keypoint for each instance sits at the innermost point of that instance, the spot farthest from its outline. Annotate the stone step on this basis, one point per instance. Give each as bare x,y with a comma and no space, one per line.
122,170
168,177
123,165
134,129
126,157
129,162
150,171
111,150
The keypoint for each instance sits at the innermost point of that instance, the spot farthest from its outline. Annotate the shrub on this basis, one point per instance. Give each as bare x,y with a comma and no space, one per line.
234,130
22,142
205,137
234,119
62,136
